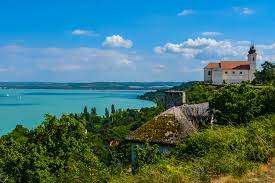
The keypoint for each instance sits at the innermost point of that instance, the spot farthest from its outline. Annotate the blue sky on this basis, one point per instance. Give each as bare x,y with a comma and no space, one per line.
122,40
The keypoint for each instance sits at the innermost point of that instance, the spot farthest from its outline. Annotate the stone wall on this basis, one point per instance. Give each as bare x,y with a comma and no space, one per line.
174,98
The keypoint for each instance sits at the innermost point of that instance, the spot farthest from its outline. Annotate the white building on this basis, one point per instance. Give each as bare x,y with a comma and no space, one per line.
231,71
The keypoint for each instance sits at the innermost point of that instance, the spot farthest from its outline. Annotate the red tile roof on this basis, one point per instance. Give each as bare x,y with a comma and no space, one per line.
213,65
228,65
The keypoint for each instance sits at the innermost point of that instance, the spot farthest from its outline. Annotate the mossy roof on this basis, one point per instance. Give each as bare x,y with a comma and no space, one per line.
172,126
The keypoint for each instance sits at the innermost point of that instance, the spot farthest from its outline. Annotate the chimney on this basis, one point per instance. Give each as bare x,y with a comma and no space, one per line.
174,98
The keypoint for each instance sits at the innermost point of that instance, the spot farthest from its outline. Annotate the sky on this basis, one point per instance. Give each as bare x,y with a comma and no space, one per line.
123,40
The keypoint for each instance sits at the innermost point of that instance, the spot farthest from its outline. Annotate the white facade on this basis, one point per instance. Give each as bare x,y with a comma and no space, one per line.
231,71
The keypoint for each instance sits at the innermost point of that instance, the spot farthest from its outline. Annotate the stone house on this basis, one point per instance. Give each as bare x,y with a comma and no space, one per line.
231,71
171,127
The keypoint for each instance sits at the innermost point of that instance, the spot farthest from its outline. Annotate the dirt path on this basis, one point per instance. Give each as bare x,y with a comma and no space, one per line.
267,174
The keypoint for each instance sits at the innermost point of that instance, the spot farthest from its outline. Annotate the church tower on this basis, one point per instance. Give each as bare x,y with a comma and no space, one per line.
252,56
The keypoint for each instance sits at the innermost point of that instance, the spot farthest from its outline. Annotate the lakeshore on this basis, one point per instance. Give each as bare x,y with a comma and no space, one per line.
28,106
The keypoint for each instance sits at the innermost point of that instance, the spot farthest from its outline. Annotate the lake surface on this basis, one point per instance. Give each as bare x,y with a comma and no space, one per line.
28,106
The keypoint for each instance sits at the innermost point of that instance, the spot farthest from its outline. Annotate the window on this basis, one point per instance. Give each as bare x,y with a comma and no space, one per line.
209,73
233,72
226,72
241,72
253,59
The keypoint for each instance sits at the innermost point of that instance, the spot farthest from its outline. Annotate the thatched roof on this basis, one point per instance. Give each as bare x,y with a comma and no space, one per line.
172,126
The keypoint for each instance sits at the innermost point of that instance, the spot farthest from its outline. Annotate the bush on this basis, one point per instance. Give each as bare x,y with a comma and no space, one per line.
146,155
229,150
200,93
261,139
211,153
236,104
56,151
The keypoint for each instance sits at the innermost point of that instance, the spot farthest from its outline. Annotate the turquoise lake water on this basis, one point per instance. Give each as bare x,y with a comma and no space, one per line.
28,106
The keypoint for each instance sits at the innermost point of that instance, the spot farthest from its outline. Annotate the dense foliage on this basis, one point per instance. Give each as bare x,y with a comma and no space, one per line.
239,104
266,75
75,148
145,155
200,93
211,153
57,150
194,87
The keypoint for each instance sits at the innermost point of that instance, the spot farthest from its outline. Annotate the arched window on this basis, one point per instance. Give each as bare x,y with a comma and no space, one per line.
253,59
209,73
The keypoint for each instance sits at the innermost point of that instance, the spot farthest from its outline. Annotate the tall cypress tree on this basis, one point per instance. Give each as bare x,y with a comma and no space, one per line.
113,110
93,111
107,114
86,113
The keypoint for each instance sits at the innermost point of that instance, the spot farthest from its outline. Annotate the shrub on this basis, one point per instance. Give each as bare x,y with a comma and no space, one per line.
145,155
211,153
236,104
229,150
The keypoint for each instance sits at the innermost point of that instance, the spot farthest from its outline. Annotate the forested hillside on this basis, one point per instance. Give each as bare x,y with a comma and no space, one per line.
86,147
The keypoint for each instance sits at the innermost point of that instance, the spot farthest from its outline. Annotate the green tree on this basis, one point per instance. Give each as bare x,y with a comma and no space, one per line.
71,149
107,113
93,111
236,104
113,110
266,75
267,98
86,113
200,93
55,151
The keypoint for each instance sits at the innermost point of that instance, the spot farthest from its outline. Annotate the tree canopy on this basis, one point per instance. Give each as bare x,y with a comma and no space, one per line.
266,75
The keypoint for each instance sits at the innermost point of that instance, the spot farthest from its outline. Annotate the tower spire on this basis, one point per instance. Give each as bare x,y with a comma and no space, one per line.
252,54
252,44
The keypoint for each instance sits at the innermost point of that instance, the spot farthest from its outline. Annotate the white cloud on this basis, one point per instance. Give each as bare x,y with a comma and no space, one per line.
63,59
205,62
158,68
82,32
62,68
207,49
7,69
244,11
186,12
247,11
198,42
125,61
117,41
173,61
191,70
211,33
83,64
177,49
244,42
268,47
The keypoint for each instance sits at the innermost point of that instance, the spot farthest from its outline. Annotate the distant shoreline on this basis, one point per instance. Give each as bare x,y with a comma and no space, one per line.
90,86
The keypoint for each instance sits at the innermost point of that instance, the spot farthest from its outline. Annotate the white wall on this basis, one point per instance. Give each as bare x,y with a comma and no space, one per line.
217,76
235,76
207,78
252,72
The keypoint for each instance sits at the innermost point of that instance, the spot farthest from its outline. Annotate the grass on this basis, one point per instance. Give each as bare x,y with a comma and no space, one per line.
221,154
